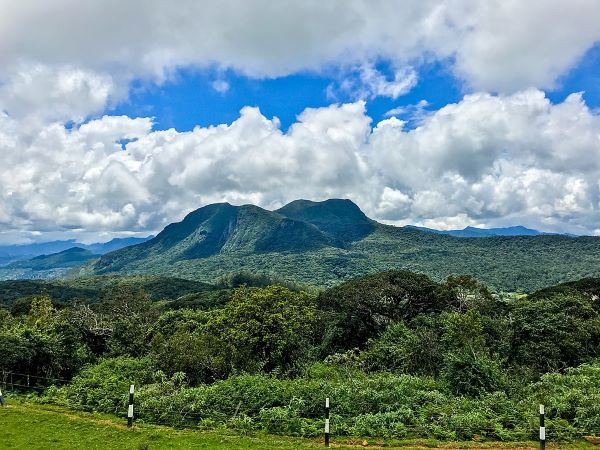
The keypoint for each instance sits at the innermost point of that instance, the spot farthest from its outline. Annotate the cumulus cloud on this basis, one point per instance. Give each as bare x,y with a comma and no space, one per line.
497,45
487,160
39,93
515,157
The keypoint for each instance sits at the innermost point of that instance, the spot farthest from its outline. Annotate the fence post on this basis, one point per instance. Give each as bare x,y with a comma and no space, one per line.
130,409
327,422
542,429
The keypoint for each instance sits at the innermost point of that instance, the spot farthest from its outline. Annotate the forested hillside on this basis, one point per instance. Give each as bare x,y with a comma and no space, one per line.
325,243
399,354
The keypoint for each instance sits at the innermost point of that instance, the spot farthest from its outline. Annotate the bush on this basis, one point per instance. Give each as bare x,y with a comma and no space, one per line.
105,386
472,374
570,398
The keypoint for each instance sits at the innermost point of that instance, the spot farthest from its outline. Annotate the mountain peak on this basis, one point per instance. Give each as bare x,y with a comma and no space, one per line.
340,218
339,204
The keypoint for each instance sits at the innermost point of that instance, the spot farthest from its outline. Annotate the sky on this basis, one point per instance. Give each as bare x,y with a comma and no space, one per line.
117,118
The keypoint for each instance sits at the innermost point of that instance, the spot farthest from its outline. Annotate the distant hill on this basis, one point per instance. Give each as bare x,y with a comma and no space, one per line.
47,266
71,257
470,232
324,243
11,253
114,244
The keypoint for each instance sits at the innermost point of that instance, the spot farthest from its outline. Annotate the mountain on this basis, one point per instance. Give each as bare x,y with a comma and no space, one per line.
47,266
323,243
216,230
10,253
25,251
470,232
71,257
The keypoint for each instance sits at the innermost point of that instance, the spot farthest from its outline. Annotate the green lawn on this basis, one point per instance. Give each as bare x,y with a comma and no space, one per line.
30,426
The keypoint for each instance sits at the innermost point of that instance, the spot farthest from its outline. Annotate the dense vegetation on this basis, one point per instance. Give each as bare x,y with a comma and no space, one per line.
325,243
399,355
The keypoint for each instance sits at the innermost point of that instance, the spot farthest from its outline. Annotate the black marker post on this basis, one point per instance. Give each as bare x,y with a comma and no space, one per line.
130,409
542,429
327,422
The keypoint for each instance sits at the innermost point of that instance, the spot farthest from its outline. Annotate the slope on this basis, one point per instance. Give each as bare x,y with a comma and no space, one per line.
218,229
71,257
323,243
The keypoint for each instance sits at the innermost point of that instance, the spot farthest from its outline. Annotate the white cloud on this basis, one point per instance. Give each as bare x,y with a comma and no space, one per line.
367,82
514,157
514,44
498,45
39,93
457,222
221,86
418,109
491,160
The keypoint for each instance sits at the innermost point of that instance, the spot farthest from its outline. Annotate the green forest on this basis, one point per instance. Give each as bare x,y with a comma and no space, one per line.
326,243
399,355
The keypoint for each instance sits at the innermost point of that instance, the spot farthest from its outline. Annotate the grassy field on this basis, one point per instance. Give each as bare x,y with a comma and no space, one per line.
30,426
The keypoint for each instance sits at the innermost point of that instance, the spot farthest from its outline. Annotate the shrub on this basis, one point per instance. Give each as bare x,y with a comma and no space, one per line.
105,386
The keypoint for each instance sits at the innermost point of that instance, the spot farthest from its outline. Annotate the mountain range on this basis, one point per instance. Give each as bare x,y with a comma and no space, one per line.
47,260
16,252
470,232
323,243
71,257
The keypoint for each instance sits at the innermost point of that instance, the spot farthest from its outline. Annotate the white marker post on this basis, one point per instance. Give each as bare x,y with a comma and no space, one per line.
327,422
130,409
542,429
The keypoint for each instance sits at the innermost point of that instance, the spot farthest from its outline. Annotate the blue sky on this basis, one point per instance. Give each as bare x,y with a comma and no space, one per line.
124,116
188,98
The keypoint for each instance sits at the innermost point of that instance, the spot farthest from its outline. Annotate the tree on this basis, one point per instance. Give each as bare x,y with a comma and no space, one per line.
42,314
266,329
131,314
363,307
469,293
472,373
554,332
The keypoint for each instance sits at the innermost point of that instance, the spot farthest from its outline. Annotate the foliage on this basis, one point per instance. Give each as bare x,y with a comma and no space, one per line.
572,398
399,355
363,307
555,332
266,330
93,289
105,386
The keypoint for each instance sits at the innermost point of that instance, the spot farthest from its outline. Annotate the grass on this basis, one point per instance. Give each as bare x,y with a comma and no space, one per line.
25,425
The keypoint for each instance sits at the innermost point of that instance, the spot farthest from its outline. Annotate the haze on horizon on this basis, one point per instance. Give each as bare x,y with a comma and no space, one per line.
117,118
